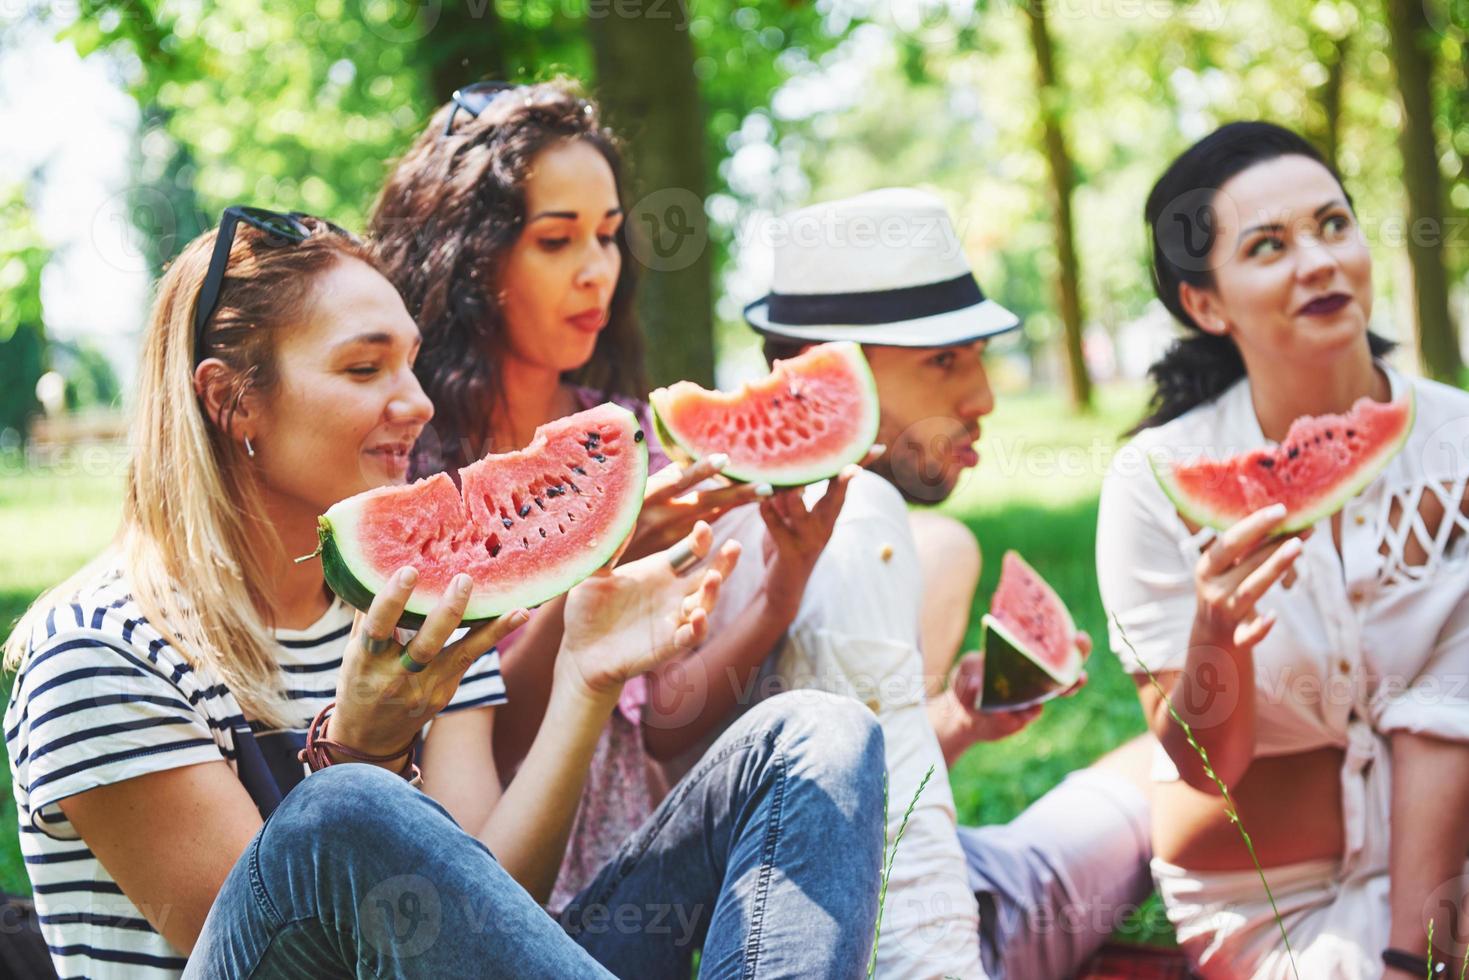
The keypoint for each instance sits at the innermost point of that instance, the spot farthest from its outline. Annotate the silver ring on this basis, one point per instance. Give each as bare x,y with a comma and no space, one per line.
682,558
376,646
411,665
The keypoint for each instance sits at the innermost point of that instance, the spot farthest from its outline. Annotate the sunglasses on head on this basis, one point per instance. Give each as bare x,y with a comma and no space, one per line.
281,229
475,98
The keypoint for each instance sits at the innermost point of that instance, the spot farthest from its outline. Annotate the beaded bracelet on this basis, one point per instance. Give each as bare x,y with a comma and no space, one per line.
317,757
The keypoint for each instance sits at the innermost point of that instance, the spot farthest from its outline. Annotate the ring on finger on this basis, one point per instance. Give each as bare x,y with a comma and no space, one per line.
377,646
682,557
411,665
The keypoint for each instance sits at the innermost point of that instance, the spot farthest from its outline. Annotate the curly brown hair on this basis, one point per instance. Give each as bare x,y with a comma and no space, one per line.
441,228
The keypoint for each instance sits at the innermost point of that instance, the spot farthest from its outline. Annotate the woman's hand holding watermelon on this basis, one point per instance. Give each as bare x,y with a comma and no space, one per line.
672,505
622,623
380,703
1234,573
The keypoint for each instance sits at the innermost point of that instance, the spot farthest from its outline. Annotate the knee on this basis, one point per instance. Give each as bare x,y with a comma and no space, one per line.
356,803
829,738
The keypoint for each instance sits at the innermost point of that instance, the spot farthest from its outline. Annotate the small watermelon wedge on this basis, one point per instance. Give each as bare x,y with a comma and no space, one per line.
1324,461
812,415
1029,641
526,526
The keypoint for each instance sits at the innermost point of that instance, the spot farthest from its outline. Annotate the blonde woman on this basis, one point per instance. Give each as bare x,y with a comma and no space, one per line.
164,693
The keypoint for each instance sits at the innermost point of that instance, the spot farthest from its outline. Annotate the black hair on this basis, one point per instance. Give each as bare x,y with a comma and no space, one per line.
1181,223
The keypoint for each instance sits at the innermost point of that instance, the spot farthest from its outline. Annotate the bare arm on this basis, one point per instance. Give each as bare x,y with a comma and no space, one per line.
618,625
1215,691
527,826
169,839
1430,796
690,696
527,666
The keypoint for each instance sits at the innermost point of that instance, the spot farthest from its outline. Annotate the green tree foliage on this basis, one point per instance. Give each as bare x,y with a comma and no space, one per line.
303,104
952,103
23,255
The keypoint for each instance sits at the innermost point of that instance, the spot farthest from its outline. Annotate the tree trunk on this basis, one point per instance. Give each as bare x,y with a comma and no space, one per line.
464,43
644,59
1329,97
1412,50
1063,181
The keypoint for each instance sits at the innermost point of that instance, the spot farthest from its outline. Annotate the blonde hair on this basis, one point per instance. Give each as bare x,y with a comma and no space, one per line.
194,543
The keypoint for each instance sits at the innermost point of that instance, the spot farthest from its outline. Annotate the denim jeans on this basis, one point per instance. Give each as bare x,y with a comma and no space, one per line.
768,855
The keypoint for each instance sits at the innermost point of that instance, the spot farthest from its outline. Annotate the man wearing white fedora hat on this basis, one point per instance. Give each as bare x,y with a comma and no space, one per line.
886,606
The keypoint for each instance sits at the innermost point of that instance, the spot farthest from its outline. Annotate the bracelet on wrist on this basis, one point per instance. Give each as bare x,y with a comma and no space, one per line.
319,750
1413,963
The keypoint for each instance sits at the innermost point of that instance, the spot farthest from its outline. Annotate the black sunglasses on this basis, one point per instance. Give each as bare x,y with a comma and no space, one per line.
280,230
475,99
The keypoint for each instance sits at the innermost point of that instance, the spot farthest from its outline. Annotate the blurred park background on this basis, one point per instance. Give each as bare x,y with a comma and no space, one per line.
129,125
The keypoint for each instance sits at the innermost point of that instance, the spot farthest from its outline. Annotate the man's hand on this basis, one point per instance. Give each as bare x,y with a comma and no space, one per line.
957,718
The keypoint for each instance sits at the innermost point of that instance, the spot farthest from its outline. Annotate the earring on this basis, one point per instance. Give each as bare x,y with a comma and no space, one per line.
249,449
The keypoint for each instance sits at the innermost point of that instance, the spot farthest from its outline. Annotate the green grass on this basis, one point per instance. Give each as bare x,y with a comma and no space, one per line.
1034,491
51,523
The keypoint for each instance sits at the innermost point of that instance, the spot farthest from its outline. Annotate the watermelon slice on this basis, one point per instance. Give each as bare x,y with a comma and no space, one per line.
812,415
1029,641
526,526
1324,461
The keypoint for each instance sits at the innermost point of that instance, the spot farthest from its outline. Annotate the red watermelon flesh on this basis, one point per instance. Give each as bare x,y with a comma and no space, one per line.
526,525
1322,463
812,415
1032,613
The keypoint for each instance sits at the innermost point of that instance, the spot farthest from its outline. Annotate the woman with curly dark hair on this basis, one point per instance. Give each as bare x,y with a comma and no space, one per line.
502,226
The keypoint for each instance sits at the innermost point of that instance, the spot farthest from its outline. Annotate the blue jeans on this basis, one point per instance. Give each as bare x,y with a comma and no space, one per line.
768,855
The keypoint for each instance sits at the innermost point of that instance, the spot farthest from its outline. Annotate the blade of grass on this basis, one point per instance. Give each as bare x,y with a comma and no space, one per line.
887,871
1230,809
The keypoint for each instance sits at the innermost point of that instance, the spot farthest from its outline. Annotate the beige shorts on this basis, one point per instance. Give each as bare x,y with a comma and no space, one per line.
1335,911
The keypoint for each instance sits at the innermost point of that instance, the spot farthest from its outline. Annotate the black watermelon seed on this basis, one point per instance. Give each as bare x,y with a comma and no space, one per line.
524,509
542,530
574,487
637,436
594,437
555,491
599,457
507,522
578,469
540,503
1294,452
1329,434
1268,463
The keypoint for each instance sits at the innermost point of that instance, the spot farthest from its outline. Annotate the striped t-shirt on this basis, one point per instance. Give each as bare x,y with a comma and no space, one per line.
101,697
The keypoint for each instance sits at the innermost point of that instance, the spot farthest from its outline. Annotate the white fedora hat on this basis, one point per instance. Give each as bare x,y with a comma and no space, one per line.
884,267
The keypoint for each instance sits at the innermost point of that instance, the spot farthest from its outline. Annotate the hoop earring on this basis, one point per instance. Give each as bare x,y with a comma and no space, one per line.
249,449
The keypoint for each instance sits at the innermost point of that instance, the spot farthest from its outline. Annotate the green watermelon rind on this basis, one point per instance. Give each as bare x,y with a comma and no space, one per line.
680,449
349,576
1015,678
1200,513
